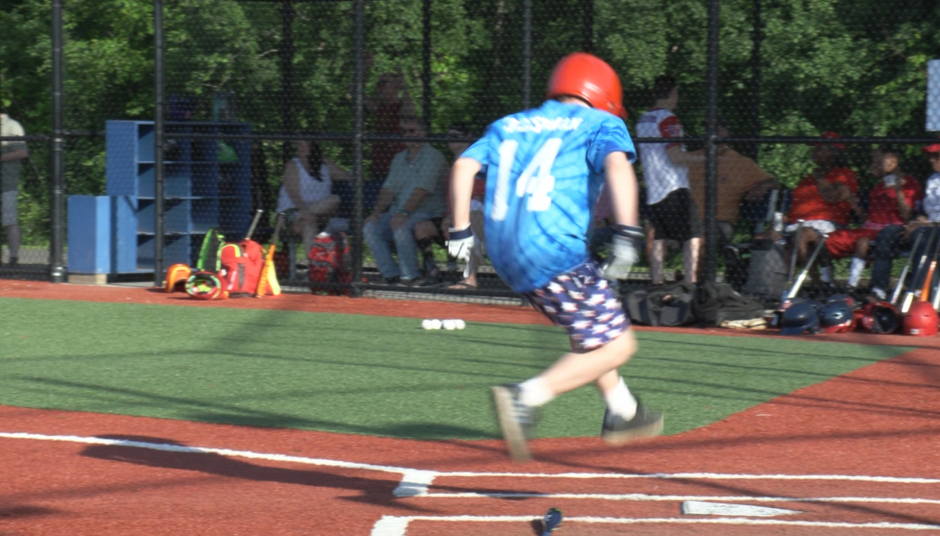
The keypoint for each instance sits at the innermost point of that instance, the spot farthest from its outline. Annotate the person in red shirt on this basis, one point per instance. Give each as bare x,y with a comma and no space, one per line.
823,200
891,205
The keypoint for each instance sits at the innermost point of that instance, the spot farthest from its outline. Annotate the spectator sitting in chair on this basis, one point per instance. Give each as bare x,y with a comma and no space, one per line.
412,193
739,177
919,226
427,232
891,205
823,200
306,191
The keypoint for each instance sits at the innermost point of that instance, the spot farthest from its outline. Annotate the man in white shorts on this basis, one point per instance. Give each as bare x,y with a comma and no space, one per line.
11,154
672,211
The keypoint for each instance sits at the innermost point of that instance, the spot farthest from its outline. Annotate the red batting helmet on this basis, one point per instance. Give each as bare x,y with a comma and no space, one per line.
590,78
880,317
921,320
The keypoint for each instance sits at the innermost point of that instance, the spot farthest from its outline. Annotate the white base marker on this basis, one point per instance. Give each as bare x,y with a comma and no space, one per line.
390,526
414,483
702,508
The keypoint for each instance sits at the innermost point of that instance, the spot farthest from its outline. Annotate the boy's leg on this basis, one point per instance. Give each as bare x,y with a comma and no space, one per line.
690,259
601,340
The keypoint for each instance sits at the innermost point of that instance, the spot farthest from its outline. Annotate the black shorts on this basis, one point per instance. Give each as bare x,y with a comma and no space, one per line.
676,217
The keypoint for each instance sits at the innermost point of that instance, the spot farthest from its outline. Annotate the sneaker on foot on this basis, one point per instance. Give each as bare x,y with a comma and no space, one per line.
618,430
516,420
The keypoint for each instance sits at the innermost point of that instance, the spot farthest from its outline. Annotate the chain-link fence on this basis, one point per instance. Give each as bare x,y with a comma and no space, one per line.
344,116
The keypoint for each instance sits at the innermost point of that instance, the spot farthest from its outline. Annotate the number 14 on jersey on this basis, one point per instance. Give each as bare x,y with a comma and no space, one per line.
536,180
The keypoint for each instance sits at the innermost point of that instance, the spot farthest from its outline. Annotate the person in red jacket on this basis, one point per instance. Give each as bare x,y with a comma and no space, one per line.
891,205
823,200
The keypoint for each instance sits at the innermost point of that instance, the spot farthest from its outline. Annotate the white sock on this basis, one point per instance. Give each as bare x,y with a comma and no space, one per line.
878,293
825,273
621,401
855,271
535,393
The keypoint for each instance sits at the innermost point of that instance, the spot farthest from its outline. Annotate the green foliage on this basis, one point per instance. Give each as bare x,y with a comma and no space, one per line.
854,66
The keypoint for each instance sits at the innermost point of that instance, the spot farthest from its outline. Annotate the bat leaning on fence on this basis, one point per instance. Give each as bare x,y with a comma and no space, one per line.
917,276
907,267
268,280
795,289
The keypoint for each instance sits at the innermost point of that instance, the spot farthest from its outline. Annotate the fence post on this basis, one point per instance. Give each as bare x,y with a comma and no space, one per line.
286,57
158,205
358,102
587,26
57,268
526,53
756,38
711,146
426,64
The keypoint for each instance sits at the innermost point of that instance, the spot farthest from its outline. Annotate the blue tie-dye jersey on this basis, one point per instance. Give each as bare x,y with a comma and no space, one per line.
544,170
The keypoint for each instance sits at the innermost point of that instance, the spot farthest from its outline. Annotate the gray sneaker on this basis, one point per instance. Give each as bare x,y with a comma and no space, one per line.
516,420
617,430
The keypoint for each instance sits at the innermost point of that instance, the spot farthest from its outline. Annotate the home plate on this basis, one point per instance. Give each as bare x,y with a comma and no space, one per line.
701,508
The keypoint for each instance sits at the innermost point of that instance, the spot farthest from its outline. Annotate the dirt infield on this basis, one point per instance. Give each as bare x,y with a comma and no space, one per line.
853,455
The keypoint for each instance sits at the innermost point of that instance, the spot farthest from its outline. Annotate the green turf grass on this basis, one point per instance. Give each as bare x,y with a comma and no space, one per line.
367,374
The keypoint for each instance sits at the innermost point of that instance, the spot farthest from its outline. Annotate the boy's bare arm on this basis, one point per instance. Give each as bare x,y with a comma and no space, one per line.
621,179
462,176
461,240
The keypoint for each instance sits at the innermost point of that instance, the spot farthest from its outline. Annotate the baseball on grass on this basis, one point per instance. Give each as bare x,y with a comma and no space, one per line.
450,324
431,323
460,323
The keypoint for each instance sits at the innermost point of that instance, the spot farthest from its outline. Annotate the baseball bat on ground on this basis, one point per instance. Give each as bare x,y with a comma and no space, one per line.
907,266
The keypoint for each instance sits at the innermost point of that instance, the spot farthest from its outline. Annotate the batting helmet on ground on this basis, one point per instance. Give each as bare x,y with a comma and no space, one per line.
590,78
205,286
836,317
921,320
175,275
800,318
880,317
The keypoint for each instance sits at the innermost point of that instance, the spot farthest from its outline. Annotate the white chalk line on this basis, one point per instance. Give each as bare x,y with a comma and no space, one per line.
415,482
398,525
647,497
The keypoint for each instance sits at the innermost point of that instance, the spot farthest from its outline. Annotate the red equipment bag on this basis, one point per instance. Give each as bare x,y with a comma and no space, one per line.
241,266
329,258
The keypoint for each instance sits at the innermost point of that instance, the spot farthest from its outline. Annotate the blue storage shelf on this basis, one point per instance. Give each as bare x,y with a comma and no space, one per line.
200,192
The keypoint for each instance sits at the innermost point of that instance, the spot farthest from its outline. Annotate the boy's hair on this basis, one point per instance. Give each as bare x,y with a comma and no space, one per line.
663,86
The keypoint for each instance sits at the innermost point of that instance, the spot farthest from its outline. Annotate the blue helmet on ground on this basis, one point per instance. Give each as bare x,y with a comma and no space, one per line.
800,318
836,317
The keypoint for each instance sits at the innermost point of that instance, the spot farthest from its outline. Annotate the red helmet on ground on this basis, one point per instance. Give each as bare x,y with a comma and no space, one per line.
921,320
590,78
880,317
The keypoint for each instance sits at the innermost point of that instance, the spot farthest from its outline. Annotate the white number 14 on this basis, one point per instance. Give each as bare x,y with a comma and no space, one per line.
536,180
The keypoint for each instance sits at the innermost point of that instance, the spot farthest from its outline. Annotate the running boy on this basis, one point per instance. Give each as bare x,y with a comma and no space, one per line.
545,168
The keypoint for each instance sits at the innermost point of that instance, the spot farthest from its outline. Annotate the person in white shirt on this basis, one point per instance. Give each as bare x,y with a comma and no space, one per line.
672,212
306,191
11,154
921,225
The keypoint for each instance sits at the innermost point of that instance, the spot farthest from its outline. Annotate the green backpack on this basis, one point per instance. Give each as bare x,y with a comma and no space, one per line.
210,255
